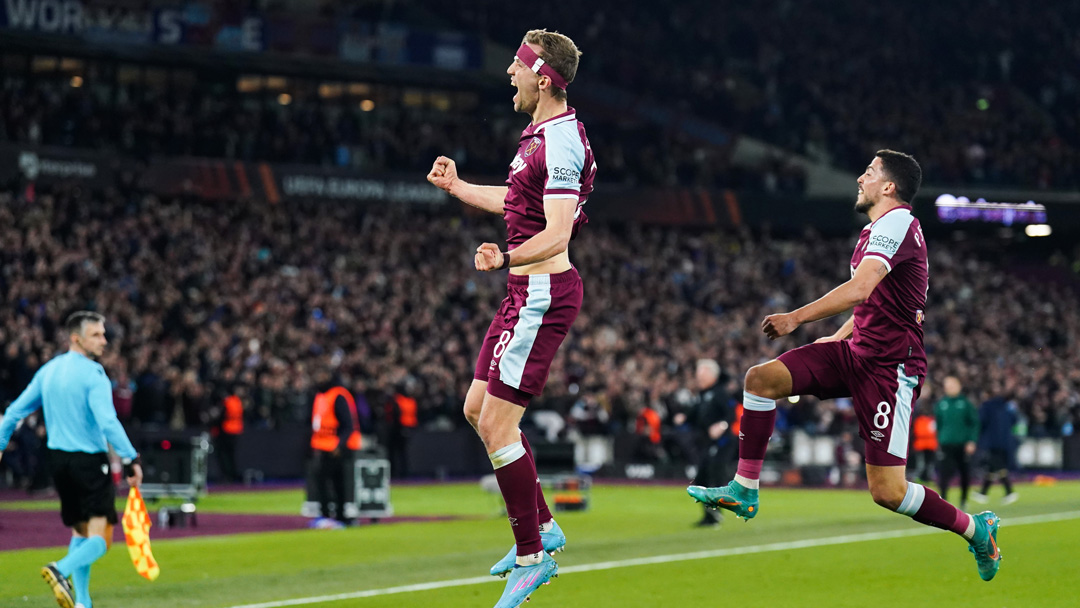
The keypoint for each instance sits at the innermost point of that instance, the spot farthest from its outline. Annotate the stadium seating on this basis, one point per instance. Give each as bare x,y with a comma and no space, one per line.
984,103
203,296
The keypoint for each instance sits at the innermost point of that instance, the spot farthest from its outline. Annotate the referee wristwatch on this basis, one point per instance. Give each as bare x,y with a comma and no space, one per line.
129,465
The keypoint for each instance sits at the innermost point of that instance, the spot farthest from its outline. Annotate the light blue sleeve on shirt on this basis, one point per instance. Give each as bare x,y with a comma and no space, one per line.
101,406
887,234
565,159
27,403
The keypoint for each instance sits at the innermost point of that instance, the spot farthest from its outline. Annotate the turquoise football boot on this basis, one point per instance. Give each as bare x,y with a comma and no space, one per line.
554,541
984,544
734,497
523,580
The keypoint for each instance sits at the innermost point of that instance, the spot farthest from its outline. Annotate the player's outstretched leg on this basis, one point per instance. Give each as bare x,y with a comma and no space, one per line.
550,534
523,580
926,507
983,544
740,496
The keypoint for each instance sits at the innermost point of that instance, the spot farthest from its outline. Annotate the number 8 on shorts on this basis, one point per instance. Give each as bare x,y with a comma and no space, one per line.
881,418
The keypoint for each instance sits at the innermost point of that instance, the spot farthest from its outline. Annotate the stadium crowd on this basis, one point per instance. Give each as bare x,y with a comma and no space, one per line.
992,102
204,299
204,120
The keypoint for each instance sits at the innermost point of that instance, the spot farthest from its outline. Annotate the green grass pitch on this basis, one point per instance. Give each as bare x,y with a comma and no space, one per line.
626,522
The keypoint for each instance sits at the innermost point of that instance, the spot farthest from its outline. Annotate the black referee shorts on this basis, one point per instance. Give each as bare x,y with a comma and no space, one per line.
85,486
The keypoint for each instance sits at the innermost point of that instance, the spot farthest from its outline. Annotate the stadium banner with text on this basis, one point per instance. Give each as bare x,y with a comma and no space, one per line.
201,25
218,179
51,165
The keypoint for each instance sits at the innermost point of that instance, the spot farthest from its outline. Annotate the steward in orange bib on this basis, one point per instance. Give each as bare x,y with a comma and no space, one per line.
227,434
924,442
335,437
401,415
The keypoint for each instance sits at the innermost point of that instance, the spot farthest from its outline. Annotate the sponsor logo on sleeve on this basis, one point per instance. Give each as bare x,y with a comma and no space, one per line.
884,243
565,174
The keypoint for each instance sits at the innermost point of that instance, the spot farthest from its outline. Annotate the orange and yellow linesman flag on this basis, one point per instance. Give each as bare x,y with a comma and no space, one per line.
136,524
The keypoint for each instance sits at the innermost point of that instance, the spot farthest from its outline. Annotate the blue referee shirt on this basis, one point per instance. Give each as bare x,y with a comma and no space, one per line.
79,413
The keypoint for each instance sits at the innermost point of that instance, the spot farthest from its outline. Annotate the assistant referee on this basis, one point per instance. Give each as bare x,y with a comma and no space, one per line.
76,397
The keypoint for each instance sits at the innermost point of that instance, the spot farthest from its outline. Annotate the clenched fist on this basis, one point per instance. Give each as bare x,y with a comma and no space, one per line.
776,326
443,173
488,257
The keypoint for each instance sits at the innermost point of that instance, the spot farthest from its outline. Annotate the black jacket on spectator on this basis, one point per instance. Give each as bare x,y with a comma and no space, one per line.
712,405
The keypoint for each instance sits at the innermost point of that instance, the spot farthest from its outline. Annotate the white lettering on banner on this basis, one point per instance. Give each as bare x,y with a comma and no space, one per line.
251,34
169,29
33,166
640,471
96,21
367,189
51,16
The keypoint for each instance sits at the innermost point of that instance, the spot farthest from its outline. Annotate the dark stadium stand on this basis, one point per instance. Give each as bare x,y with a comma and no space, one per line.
201,296
991,102
368,127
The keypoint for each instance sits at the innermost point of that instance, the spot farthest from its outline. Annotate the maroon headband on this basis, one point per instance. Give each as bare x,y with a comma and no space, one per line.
538,65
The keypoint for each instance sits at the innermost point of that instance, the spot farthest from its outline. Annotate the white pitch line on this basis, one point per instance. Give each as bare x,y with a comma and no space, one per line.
661,559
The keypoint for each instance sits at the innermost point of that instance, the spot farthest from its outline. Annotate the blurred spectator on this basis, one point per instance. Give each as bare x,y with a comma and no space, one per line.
401,421
712,416
27,454
924,442
997,419
205,296
957,430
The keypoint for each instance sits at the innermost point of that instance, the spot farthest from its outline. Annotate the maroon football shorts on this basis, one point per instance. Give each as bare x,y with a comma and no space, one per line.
526,333
883,395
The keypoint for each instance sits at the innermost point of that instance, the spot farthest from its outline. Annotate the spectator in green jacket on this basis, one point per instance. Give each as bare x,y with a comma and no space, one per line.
957,431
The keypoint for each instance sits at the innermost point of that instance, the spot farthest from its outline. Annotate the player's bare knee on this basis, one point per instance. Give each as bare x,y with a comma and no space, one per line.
887,496
759,382
472,413
489,429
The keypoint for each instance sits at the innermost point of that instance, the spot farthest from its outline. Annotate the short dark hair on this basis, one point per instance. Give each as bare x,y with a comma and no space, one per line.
904,171
76,320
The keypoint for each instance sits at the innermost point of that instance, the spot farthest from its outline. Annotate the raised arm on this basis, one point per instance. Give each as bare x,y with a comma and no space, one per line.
845,297
444,175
